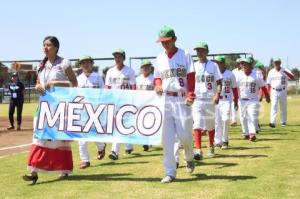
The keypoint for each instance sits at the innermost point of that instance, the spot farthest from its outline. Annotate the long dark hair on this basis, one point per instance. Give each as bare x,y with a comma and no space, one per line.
55,42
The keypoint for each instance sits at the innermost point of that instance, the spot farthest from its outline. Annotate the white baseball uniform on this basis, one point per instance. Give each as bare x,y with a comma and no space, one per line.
144,83
207,74
223,107
94,80
177,117
233,111
120,79
248,87
278,81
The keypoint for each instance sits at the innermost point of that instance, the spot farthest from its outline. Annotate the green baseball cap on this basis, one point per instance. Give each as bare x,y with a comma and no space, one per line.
246,60
85,57
220,58
145,62
238,60
202,45
119,51
276,59
259,65
166,33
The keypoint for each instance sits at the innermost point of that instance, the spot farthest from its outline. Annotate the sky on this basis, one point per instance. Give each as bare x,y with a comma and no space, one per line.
266,28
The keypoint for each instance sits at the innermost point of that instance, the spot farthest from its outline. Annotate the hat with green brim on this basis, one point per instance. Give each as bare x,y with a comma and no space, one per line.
246,60
259,65
276,59
119,51
202,45
220,59
85,57
165,34
145,62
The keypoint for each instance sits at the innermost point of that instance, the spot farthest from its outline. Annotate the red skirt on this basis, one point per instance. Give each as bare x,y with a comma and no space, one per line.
50,156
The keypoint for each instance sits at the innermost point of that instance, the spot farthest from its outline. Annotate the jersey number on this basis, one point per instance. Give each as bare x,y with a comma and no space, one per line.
252,89
125,86
181,82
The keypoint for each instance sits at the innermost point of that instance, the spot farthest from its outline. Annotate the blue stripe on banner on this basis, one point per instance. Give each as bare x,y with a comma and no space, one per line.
88,114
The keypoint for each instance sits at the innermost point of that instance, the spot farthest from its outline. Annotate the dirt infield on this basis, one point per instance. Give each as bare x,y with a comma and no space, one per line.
12,141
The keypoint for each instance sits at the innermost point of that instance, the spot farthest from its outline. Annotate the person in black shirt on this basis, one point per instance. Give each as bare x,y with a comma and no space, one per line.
16,89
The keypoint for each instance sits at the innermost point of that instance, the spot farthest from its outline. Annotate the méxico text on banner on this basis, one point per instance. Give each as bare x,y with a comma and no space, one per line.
87,114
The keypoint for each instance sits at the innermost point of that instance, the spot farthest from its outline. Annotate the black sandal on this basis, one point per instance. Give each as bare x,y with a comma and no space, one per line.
31,178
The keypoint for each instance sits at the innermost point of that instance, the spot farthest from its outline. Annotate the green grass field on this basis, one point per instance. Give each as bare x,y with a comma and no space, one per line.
268,168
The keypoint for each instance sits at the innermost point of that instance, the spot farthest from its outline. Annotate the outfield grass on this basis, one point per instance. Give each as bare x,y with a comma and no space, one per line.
268,168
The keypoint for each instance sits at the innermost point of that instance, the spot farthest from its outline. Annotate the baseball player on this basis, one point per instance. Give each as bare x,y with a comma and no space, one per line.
145,81
208,90
249,82
277,81
120,77
229,92
89,79
233,110
175,77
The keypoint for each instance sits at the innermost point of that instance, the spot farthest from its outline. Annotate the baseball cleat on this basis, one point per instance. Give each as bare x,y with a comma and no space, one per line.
252,137
272,125
113,156
190,166
283,124
10,128
224,145
177,165
167,179
218,145
233,124
128,151
146,147
198,156
101,154
246,137
84,165
211,151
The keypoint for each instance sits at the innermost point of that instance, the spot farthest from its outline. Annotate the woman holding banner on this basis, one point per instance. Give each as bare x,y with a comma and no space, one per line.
51,155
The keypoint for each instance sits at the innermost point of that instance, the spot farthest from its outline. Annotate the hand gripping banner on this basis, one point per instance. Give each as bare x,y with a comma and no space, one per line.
87,114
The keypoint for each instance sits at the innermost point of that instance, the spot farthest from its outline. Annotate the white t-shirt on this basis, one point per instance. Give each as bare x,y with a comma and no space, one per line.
120,79
173,71
54,72
207,75
228,82
249,85
144,83
94,80
277,79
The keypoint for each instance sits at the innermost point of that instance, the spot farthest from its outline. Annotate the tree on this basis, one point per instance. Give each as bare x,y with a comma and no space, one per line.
296,73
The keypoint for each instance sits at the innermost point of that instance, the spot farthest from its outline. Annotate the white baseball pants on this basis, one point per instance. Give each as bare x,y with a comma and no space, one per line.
249,116
222,121
83,150
281,98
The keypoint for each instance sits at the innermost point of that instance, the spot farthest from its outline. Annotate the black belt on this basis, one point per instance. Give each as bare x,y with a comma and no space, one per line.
224,97
278,89
245,99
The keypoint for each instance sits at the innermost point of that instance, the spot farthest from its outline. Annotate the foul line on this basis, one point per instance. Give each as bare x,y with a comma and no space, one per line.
15,147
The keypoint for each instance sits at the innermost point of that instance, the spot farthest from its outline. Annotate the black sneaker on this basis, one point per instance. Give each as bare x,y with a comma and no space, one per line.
177,165
283,124
146,147
128,151
198,156
272,125
113,156
11,128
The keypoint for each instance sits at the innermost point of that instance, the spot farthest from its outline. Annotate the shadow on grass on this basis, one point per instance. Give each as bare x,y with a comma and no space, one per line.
146,154
219,164
220,177
125,177
119,163
239,156
248,148
271,139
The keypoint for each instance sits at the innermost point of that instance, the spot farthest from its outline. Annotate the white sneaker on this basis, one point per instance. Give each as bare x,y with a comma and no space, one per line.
167,179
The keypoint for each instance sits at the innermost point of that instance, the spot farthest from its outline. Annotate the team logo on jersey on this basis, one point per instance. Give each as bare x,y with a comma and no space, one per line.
174,72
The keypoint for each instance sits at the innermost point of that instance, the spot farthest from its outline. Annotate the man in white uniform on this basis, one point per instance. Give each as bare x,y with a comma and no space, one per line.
175,77
120,77
145,81
277,81
89,79
249,82
208,89
234,112
229,92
